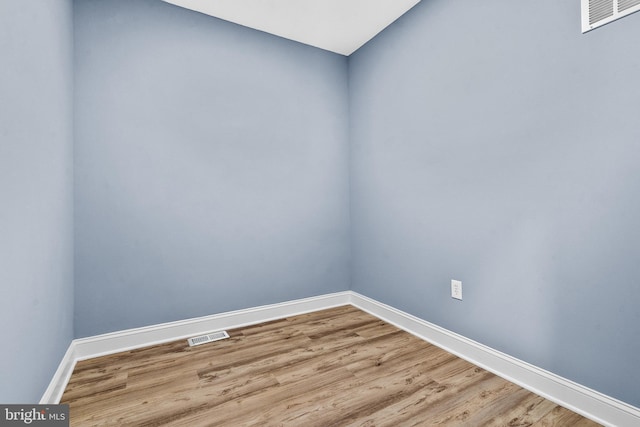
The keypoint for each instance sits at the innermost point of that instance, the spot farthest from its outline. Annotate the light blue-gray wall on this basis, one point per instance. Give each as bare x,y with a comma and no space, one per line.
36,199
211,167
494,143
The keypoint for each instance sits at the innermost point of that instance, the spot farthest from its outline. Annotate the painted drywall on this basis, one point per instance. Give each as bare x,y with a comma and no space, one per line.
495,144
211,167
36,200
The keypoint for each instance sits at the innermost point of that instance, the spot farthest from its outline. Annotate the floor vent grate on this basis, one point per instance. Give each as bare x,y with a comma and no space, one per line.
203,339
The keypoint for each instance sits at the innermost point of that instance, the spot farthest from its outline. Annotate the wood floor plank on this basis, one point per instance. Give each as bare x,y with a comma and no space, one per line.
340,366
560,417
432,400
520,409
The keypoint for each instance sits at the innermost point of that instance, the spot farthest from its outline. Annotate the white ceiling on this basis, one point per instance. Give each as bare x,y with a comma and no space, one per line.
340,26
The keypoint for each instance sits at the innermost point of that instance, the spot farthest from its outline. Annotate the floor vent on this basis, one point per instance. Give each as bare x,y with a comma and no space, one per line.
203,339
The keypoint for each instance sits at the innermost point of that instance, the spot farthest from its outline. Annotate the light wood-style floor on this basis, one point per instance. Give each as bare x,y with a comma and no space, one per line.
336,367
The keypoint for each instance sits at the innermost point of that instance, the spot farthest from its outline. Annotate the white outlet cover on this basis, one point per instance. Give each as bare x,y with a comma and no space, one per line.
456,289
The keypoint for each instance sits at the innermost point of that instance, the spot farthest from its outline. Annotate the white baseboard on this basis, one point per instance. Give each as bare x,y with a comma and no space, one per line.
61,377
115,342
592,404
130,339
582,400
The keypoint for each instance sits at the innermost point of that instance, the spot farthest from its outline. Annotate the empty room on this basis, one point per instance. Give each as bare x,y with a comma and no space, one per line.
367,213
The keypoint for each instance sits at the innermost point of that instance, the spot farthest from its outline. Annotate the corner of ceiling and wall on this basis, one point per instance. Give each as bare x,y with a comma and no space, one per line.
339,26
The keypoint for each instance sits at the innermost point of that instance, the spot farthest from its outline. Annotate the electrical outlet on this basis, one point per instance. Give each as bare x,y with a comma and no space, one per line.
456,289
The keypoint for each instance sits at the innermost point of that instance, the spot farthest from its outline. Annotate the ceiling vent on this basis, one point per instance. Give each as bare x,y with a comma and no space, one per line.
596,13
203,339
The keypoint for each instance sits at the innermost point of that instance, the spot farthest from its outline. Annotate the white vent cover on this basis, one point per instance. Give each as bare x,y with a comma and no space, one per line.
203,339
596,13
